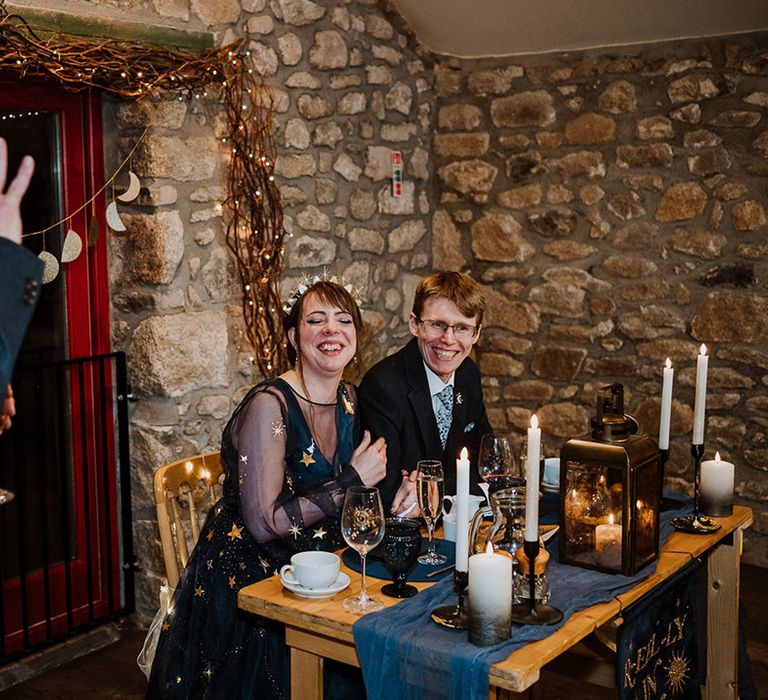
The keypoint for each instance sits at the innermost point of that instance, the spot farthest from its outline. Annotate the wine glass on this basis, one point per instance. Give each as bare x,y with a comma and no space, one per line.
400,549
496,464
362,525
430,489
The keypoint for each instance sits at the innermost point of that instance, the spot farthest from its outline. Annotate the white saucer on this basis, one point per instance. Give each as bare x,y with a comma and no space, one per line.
547,487
296,588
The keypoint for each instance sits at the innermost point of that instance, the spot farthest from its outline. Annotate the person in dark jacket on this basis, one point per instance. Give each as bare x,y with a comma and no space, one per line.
426,400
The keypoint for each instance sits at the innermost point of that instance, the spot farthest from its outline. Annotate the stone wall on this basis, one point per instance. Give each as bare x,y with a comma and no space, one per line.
350,89
613,203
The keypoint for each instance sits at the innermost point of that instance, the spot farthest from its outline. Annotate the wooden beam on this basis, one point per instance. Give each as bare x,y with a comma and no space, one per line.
113,28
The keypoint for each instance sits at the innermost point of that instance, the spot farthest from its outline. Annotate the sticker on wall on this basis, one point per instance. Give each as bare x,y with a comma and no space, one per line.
397,174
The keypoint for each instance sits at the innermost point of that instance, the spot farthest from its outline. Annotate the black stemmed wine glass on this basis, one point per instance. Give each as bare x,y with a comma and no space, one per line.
400,549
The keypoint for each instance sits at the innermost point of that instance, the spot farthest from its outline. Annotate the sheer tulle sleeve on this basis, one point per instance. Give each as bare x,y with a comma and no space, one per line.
270,506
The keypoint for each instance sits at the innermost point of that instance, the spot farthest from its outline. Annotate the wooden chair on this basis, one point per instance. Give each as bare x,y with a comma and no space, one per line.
184,492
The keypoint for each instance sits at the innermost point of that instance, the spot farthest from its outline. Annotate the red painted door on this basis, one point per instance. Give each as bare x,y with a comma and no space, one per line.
55,535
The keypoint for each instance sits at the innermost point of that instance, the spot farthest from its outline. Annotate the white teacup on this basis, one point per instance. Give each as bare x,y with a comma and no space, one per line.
475,502
551,473
449,526
312,570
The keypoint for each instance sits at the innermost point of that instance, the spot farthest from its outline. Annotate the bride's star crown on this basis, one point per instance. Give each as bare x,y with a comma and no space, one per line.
307,282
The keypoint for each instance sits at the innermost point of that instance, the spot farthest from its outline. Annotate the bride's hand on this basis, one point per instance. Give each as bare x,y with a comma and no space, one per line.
370,460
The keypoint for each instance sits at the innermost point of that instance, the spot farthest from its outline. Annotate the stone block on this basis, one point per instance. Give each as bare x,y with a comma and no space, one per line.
327,134
590,128
626,267
563,419
638,235
291,166
447,253
685,200
215,275
582,164
503,312
154,246
462,144
347,168
698,242
310,251
654,155
403,205
352,103
692,88
521,166
469,175
459,117
172,355
314,106
406,236
749,215
298,12
216,12
312,219
559,298
736,119
650,322
558,364
399,98
366,240
185,159
378,162
618,98
160,112
498,237
495,364
710,162
290,49
524,109
656,127
555,223
567,250
532,390
520,197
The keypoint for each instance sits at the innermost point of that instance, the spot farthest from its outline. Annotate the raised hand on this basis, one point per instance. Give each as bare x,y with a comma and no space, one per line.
10,201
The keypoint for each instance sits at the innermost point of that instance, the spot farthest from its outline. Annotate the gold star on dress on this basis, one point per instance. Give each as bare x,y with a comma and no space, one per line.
208,673
263,563
307,459
166,627
235,532
319,533
209,536
198,591
348,407
244,459
277,428
231,581
295,531
209,563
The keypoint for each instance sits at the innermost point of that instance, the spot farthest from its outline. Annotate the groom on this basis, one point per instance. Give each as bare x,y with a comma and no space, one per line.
426,400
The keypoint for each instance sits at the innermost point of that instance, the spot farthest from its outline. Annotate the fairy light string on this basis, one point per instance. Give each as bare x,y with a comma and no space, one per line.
133,71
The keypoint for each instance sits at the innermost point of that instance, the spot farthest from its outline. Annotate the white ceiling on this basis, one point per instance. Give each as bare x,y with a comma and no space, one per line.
474,28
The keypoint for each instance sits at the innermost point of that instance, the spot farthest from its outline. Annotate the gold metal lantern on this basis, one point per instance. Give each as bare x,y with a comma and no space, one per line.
609,486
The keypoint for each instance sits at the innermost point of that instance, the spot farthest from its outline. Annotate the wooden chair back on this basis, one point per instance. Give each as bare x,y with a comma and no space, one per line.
185,490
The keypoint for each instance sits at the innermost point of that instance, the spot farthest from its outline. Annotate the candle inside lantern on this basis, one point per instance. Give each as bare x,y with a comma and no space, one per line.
462,510
532,482
490,597
700,399
608,543
717,478
666,406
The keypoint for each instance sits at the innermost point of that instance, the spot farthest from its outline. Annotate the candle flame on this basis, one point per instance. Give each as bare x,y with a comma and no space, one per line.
668,363
534,421
717,456
489,548
189,467
610,519
463,454
206,474
703,349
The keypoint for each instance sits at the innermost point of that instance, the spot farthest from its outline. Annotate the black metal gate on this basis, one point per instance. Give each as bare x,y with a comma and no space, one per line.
66,547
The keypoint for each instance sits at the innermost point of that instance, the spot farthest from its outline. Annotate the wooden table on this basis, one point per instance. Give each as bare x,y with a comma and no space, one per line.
321,629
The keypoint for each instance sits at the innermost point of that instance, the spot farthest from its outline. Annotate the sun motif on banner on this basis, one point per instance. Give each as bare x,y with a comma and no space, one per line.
677,671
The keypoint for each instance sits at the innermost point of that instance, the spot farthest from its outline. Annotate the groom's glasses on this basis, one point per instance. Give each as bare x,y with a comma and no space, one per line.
460,330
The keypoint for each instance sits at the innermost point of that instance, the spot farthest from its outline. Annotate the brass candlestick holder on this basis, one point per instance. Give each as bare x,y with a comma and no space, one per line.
532,612
454,616
696,524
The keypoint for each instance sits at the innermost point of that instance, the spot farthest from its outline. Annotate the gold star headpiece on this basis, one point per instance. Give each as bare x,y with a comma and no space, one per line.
307,282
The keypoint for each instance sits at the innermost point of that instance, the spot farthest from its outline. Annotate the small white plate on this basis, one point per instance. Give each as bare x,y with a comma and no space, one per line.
546,487
295,587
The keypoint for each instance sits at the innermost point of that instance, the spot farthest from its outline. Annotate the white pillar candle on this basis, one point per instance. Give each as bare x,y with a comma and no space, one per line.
532,482
608,543
717,478
490,597
666,406
700,400
462,510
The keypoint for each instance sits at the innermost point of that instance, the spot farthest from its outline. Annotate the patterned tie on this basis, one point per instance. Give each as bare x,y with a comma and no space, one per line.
445,412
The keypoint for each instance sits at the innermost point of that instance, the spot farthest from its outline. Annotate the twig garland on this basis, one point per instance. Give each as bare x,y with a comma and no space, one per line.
133,70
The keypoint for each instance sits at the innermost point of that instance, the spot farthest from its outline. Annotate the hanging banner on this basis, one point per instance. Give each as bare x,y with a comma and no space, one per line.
657,654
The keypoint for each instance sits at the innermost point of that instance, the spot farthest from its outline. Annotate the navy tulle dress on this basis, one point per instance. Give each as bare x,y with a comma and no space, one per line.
283,493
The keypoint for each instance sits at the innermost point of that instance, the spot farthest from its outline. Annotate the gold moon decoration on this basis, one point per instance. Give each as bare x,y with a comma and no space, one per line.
113,218
133,189
51,269
73,246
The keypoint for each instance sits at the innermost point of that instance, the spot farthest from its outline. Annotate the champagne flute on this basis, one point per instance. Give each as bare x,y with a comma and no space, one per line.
430,489
362,526
496,464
